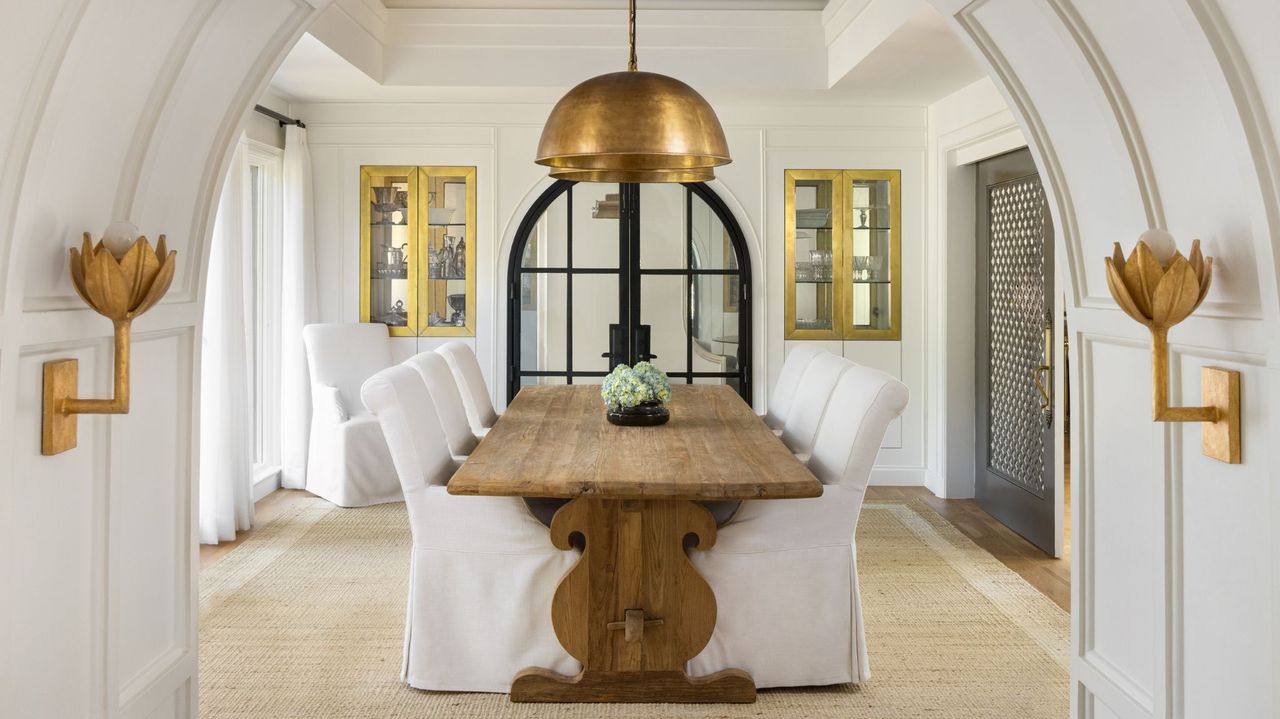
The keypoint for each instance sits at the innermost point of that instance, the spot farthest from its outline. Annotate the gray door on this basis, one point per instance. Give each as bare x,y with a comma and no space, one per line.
1014,473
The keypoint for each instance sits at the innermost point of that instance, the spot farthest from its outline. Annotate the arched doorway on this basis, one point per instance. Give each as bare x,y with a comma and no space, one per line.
602,274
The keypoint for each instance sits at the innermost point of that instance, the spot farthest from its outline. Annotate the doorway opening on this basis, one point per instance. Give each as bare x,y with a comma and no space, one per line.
1018,414
603,274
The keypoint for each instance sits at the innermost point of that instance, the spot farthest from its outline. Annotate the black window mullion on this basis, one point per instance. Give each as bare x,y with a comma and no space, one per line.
688,283
568,288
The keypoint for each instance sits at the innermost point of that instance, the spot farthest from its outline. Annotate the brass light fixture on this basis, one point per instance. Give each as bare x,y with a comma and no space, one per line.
120,279
1160,293
633,126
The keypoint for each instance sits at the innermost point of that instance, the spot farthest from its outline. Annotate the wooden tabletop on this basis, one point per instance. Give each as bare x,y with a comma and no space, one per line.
554,441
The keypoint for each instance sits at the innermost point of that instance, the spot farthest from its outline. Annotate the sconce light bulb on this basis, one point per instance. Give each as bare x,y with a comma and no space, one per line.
1160,243
119,237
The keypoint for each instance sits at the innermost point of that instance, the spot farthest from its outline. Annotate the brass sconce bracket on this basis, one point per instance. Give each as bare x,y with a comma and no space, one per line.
119,286
1160,295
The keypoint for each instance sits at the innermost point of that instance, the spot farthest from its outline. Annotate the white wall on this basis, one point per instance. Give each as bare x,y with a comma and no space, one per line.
766,137
965,127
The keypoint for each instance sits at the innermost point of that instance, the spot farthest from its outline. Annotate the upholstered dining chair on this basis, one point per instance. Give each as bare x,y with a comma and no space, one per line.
811,399
483,569
347,462
475,394
785,572
784,389
443,388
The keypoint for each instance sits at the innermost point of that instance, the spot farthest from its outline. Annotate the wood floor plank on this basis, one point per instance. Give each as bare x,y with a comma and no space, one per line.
1050,576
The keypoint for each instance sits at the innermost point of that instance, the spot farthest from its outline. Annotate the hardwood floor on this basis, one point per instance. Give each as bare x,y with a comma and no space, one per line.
1052,577
267,509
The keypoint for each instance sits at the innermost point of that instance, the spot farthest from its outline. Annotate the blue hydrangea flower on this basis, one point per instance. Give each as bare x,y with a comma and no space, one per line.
631,386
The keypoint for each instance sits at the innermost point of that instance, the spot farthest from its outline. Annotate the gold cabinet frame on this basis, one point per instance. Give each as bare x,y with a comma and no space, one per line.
368,173
422,298
842,283
429,302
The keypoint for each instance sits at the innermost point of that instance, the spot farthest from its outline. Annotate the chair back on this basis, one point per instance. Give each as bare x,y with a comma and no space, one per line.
445,396
399,399
345,355
475,394
863,403
811,396
784,390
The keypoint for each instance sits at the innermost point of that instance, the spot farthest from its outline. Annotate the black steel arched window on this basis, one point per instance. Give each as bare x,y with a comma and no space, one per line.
604,274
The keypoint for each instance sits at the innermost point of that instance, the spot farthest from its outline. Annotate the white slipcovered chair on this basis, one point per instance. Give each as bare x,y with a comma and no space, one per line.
785,572
443,389
348,462
784,390
811,398
475,394
483,569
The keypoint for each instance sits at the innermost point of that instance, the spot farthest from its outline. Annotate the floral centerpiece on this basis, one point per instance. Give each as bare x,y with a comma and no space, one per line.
634,396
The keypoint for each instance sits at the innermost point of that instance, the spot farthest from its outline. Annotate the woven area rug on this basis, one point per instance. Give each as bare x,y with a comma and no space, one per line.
305,620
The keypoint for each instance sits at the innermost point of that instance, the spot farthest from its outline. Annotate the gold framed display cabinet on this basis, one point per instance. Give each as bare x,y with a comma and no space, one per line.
843,264
417,249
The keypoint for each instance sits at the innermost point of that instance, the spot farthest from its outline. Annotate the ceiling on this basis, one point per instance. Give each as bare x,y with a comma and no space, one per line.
883,52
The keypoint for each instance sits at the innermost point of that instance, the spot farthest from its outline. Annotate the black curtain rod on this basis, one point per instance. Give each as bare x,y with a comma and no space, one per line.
282,119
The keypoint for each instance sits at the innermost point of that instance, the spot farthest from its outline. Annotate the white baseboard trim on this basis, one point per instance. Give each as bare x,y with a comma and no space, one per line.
898,477
265,481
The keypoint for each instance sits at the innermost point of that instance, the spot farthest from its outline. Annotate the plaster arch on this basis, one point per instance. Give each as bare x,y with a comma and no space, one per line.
109,110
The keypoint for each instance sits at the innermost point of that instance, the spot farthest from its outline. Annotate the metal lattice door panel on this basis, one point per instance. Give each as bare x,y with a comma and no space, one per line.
1014,478
1017,319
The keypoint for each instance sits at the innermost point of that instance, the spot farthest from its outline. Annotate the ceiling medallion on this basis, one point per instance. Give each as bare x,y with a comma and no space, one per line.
633,126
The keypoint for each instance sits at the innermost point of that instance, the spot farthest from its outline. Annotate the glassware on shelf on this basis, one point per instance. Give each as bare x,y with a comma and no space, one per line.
395,316
804,272
814,218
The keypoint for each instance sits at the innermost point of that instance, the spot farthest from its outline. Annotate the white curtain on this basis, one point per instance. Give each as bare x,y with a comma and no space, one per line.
297,308
226,442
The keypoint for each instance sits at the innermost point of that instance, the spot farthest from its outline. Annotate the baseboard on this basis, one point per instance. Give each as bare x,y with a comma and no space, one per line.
898,477
265,481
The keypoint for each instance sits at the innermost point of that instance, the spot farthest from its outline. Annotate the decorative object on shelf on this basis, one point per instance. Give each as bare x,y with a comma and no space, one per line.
121,278
458,303
384,199
609,208
633,126
636,396
396,256
1159,288
396,316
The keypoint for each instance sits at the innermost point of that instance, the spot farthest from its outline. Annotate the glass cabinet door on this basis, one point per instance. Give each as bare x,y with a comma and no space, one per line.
446,236
843,264
872,266
813,204
388,267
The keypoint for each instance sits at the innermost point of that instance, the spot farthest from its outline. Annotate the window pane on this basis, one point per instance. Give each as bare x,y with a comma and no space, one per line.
662,226
595,224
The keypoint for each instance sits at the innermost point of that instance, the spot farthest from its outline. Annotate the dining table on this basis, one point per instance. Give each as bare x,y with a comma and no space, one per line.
633,609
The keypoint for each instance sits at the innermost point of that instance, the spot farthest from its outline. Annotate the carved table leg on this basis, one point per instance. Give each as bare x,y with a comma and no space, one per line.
633,609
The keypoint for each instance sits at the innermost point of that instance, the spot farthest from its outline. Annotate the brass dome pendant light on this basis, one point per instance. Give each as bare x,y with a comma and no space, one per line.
633,126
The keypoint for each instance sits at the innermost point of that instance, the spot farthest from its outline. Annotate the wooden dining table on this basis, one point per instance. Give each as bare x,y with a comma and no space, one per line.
633,610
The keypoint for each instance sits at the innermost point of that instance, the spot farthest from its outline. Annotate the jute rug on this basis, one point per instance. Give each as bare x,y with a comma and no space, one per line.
305,620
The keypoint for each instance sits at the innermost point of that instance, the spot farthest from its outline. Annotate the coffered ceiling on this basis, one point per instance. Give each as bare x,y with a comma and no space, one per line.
859,51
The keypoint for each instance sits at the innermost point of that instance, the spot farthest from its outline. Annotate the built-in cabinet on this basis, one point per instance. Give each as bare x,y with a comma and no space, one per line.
843,262
417,249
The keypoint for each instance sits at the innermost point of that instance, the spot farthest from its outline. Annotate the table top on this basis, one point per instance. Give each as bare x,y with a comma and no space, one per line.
554,441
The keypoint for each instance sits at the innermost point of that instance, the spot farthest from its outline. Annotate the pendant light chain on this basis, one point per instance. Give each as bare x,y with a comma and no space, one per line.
631,36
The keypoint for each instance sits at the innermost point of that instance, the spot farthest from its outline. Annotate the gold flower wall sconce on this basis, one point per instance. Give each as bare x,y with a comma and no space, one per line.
1159,287
121,278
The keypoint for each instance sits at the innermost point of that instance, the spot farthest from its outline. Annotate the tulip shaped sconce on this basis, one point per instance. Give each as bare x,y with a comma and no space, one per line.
1159,287
120,279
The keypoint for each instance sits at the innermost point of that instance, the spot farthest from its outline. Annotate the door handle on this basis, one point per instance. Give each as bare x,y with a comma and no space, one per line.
1042,377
